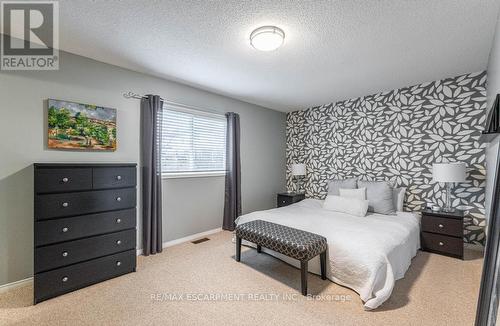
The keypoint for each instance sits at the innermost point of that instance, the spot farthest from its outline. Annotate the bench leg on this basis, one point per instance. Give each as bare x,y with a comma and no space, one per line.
238,248
322,259
259,248
303,277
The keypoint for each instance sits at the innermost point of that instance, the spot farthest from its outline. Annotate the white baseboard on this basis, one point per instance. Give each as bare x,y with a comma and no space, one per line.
16,284
185,239
26,281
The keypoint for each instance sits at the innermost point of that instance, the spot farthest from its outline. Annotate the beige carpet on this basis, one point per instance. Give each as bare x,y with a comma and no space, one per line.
436,291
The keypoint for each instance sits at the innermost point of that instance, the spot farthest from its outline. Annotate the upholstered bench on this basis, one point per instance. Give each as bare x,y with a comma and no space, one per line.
294,243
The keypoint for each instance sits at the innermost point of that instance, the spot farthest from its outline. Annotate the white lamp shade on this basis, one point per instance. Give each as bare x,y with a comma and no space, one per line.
448,172
298,169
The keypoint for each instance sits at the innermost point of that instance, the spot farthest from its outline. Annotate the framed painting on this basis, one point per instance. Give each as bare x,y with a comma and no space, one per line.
76,126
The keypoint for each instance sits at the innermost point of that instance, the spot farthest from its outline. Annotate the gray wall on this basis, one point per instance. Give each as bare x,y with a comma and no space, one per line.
190,205
493,89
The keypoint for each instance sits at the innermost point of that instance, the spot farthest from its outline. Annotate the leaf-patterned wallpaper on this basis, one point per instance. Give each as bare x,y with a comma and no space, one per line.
396,136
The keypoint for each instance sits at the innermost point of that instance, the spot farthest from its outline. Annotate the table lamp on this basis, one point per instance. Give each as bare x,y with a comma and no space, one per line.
298,171
449,173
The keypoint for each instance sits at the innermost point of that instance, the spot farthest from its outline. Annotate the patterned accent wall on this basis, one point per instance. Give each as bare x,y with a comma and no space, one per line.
396,136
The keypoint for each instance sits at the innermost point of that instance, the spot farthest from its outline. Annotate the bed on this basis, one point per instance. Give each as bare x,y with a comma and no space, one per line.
367,254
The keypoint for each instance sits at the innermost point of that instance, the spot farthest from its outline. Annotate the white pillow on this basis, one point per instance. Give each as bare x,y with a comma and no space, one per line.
359,193
352,206
398,198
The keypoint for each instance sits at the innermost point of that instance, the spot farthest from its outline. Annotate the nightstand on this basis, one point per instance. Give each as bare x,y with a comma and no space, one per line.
442,233
288,198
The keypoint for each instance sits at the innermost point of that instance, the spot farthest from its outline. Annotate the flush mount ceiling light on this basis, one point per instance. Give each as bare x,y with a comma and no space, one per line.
267,38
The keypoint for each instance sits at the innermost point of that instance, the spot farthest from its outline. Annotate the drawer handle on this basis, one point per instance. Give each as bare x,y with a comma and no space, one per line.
65,179
65,254
65,279
118,263
118,177
441,226
284,201
118,220
65,230
119,242
118,198
65,204
441,243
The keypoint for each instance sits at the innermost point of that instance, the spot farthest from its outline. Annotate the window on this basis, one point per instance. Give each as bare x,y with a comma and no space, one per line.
193,142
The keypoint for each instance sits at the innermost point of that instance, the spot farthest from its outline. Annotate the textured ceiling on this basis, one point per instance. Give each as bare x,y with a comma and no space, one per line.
333,50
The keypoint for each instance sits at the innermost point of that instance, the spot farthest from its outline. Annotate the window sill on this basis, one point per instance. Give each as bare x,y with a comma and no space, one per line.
179,175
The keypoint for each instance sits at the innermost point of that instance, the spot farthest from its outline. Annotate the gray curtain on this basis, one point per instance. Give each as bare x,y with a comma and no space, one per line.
232,196
151,119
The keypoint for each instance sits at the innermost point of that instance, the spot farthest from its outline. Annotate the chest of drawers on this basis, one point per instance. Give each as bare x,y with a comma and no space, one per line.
84,225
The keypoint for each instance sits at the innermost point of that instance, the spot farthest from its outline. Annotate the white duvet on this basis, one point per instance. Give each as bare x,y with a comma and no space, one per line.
367,254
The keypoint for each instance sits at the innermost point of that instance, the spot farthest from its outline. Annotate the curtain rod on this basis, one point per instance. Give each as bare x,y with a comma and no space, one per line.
136,96
130,95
